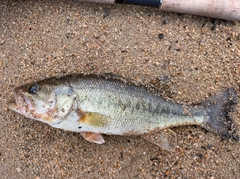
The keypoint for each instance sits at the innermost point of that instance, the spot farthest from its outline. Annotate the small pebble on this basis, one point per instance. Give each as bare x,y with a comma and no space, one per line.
105,12
18,169
165,22
213,27
2,41
160,36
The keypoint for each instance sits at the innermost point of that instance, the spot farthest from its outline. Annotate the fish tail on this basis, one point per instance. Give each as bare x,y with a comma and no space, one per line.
218,109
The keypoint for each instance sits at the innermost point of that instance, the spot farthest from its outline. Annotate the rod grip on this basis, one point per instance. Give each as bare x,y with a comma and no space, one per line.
222,9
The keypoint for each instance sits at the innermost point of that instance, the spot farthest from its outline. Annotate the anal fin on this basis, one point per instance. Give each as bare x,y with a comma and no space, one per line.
93,137
165,139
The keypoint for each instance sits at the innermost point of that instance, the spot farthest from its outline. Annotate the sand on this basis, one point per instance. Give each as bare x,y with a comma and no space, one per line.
40,39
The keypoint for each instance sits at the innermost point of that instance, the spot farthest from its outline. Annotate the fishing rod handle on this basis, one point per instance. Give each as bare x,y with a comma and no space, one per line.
221,9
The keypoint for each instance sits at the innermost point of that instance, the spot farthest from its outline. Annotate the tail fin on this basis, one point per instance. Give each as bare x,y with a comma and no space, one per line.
218,108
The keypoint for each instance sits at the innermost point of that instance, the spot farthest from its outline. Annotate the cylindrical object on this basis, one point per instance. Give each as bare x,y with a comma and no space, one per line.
222,9
100,1
153,3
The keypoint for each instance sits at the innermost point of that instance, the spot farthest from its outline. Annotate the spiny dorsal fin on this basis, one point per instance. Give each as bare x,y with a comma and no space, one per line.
160,85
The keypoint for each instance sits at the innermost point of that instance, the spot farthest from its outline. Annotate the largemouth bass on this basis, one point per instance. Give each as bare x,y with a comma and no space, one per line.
93,105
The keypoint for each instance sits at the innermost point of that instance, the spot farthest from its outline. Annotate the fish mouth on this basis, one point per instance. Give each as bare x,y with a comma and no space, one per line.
22,103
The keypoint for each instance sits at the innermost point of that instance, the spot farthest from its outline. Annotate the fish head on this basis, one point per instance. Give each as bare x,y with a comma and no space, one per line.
48,101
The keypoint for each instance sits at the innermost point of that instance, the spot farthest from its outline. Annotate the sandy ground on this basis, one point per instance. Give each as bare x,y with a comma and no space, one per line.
39,39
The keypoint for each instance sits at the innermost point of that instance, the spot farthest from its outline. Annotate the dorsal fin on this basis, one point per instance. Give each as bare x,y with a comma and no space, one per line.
160,86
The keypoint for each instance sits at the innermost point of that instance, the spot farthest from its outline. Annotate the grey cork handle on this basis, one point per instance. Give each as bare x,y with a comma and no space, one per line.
222,9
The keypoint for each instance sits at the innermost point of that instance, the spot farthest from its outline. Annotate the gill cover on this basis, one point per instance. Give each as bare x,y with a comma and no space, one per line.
64,101
48,101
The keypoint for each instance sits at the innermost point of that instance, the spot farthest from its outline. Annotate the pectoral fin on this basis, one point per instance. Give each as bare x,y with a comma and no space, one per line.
93,119
93,137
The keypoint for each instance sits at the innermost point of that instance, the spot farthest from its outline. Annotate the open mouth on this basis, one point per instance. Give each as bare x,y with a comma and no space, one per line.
22,103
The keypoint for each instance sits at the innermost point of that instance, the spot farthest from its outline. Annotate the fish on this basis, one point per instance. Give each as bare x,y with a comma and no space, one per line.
93,105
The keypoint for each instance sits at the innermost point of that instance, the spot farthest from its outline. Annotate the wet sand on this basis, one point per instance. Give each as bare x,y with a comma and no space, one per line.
40,39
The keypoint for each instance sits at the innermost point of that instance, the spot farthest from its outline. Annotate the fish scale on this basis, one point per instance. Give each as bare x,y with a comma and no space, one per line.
123,111
101,104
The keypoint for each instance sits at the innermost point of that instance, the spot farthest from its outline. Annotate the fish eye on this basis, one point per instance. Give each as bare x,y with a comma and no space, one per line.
33,89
